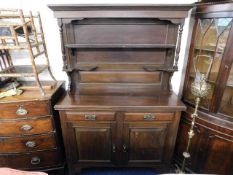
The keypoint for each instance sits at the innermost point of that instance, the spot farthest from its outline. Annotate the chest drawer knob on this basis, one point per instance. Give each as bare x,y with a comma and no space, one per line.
149,117
90,117
30,144
26,127
35,160
21,111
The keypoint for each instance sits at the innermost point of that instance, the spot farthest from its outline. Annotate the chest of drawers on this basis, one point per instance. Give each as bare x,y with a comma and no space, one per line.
29,131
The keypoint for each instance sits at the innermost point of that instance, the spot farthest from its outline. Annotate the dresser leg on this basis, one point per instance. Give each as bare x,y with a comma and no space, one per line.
72,171
78,170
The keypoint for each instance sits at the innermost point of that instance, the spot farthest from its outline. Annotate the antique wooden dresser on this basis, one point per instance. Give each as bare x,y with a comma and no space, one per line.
29,131
119,60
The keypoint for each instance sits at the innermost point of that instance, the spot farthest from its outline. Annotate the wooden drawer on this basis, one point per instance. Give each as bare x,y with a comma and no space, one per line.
149,116
90,116
24,109
36,160
27,143
26,127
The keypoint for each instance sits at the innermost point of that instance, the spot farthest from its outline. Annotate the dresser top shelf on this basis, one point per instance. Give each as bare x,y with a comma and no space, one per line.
117,10
162,102
160,7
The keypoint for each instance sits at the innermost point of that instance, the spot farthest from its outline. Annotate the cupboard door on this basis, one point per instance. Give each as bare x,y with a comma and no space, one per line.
92,141
144,141
218,156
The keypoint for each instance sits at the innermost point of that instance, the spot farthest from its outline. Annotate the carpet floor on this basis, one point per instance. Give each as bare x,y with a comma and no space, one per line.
120,171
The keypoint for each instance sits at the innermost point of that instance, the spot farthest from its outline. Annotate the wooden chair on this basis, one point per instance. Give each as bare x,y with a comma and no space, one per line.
20,32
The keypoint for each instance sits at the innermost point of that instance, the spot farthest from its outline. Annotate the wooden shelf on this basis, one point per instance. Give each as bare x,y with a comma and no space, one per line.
22,71
147,46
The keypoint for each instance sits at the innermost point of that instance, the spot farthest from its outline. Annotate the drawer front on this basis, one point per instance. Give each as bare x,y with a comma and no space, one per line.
90,116
31,160
24,109
26,127
27,143
149,116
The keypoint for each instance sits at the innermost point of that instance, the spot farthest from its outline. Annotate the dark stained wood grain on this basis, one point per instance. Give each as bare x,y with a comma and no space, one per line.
119,43
163,102
111,56
114,11
119,110
83,116
98,147
115,34
120,77
142,116
144,141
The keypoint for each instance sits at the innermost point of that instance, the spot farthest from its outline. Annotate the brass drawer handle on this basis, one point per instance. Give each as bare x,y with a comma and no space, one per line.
26,128
90,117
21,111
30,144
35,160
149,117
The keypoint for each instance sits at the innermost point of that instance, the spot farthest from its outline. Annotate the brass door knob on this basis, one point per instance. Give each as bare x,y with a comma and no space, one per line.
35,160
26,127
21,111
30,144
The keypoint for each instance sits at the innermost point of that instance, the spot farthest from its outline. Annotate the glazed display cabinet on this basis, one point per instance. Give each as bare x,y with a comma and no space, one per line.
210,54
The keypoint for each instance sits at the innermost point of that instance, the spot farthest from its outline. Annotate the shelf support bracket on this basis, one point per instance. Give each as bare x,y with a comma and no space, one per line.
177,52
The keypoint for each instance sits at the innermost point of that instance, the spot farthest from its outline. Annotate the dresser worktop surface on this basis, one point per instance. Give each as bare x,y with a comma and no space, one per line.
161,102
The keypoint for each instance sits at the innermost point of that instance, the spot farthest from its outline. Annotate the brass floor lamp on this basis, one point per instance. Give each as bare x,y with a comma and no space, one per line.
200,89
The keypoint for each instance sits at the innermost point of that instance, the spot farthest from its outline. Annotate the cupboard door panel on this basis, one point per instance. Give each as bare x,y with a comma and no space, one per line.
93,141
219,154
144,142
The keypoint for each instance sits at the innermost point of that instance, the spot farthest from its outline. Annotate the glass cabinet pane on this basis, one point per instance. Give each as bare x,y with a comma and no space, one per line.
226,106
210,42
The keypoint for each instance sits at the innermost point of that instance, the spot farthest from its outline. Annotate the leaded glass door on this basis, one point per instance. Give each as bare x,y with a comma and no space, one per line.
208,51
